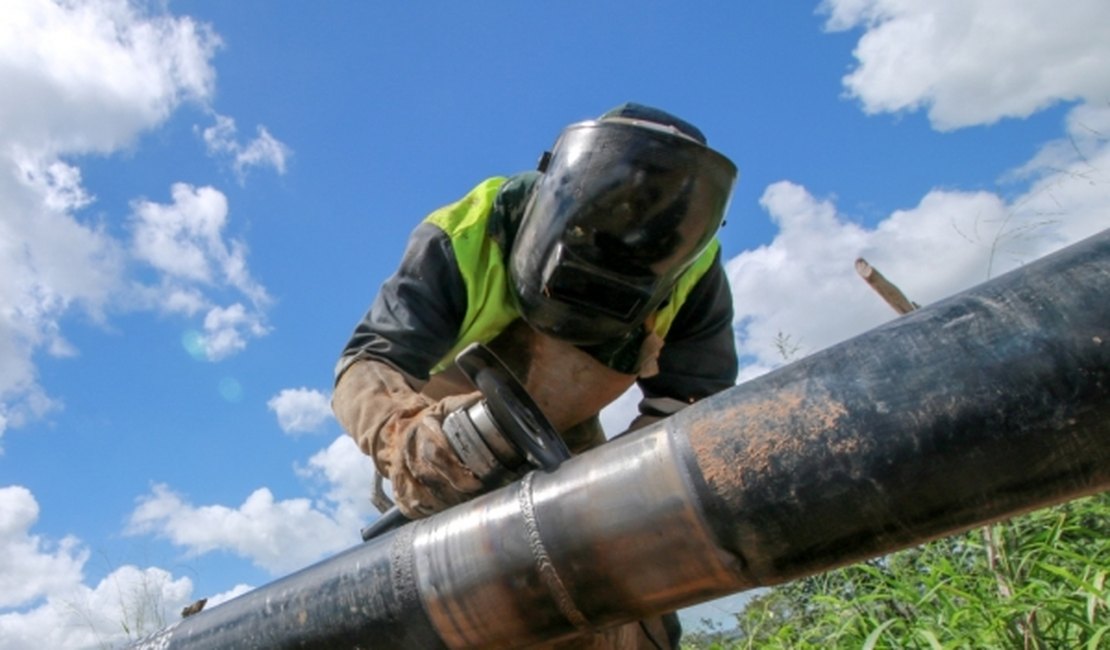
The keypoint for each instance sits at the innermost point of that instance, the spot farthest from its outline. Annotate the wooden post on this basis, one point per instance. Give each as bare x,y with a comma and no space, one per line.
885,288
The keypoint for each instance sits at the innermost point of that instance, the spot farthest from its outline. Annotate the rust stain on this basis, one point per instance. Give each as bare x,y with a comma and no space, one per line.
780,426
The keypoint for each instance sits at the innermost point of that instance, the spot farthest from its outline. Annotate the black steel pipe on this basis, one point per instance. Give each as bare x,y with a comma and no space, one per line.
988,404
980,407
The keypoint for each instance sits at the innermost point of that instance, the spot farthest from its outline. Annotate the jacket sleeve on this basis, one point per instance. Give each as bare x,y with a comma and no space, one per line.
418,312
698,357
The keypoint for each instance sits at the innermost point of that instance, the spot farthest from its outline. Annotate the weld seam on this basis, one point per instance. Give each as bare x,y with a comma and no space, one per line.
544,565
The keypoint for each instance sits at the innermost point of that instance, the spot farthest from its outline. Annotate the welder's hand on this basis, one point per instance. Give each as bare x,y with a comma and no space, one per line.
426,473
401,430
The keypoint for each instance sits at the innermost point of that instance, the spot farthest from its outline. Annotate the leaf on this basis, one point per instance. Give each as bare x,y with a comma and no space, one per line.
1094,601
1093,643
931,639
873,638
1071,579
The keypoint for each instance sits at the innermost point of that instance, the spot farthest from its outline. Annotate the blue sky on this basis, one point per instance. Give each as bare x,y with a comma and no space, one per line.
199,199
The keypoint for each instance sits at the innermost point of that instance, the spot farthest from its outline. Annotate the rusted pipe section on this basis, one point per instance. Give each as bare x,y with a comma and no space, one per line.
983,406
986,405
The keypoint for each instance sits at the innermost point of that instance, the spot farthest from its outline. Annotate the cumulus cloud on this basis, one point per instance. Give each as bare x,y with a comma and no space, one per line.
300,410
348,476
224,596
30,568
279,536
44,603
966,63
91,76
973,62
227,330
58,101
50,263
264,150
800,293
185,241
126,605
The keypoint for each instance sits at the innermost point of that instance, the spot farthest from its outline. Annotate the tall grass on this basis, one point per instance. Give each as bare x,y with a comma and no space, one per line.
1037,582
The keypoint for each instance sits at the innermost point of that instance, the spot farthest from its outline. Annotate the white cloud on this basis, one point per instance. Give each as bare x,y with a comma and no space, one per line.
279,536
126,605
300,410
80,78
50,263
966,62
224,596
30,568
227,329
975,61
91,76
185,242
44,603
58,183
264,151
348,475
803,284
183,239
183,300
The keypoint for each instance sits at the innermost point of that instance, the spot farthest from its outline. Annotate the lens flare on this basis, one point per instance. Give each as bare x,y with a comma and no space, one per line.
193,342
231,390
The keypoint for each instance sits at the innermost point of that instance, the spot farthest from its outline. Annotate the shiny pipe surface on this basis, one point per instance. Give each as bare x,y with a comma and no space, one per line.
985,405
613,535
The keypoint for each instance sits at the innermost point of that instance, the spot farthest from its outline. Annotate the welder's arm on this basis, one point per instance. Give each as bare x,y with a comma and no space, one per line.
401,430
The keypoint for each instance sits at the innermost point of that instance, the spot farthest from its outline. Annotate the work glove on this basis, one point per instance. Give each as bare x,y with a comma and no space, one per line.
402,431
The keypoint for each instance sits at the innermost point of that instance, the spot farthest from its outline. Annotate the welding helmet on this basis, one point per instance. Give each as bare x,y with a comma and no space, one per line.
623,206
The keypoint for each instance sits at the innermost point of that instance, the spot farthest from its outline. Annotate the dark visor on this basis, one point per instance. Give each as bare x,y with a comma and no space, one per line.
572,280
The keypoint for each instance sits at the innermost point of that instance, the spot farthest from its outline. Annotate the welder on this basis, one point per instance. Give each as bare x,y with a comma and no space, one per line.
599,270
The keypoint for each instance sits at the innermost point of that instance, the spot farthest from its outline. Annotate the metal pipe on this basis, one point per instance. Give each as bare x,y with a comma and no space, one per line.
983,406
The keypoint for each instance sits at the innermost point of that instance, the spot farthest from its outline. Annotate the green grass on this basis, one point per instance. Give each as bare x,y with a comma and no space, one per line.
1037,582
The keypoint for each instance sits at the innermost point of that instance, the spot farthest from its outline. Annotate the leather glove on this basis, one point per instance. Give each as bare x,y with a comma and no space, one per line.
401,430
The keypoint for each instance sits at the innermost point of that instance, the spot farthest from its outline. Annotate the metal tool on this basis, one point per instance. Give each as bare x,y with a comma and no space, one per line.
500,438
